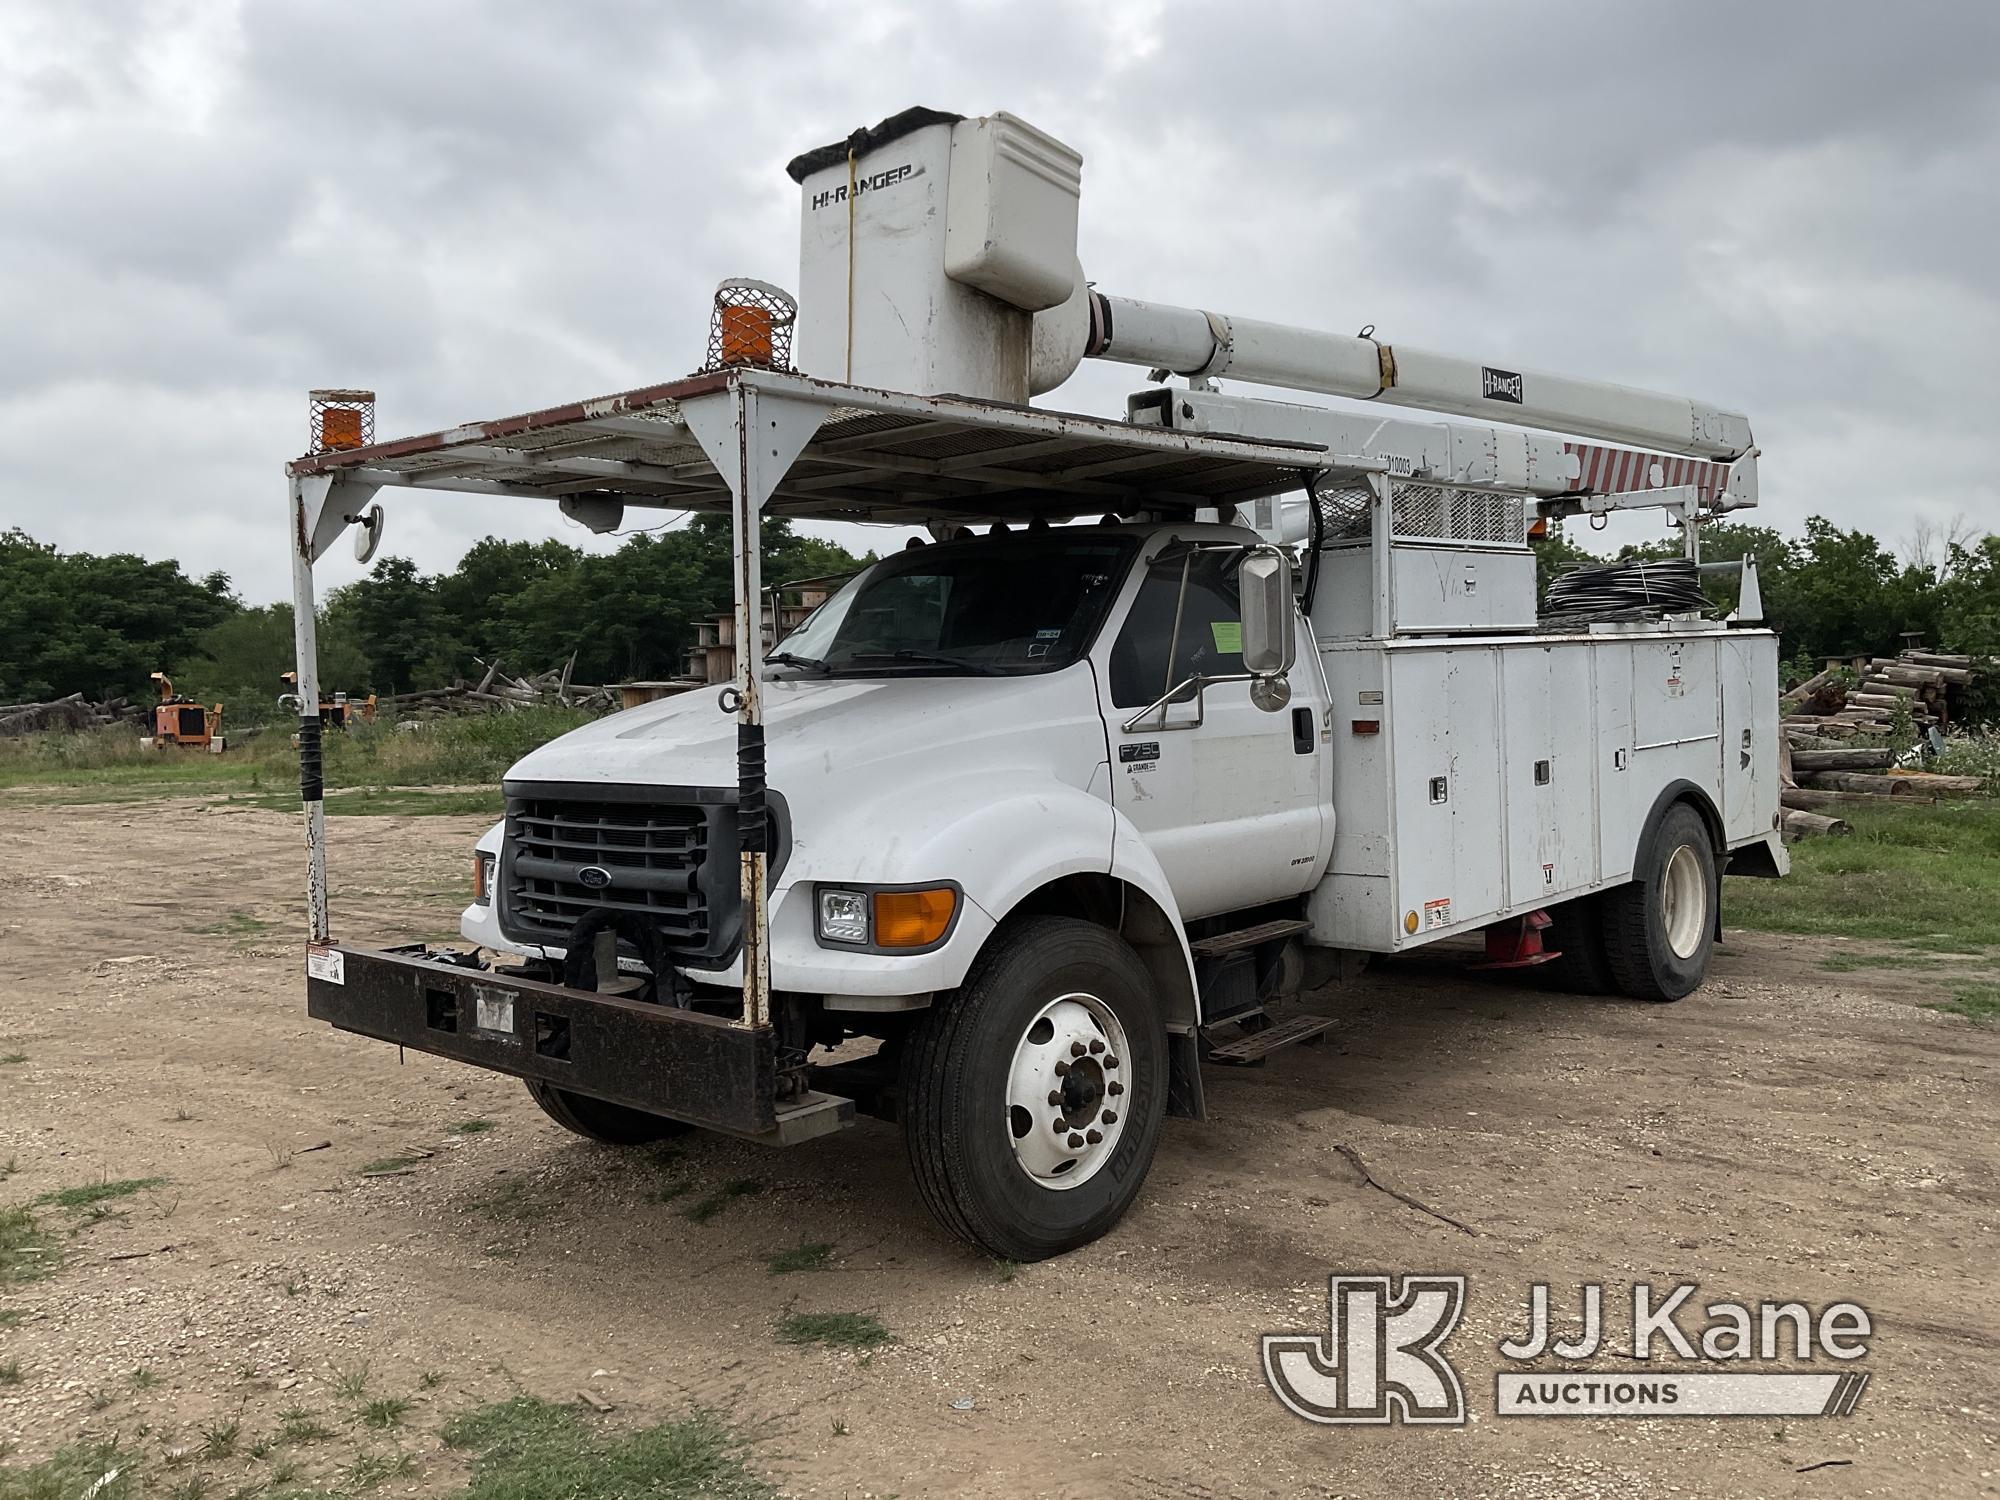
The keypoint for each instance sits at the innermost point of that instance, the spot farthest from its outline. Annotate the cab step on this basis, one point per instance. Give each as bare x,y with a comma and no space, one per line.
1248,937
1254,1046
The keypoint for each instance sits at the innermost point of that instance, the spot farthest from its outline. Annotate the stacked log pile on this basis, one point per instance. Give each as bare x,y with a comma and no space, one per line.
1931,684
73,712
496,690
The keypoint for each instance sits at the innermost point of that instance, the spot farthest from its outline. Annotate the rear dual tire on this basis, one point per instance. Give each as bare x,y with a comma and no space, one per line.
1652,938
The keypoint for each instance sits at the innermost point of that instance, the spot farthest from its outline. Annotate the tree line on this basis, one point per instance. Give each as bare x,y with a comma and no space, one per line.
79,622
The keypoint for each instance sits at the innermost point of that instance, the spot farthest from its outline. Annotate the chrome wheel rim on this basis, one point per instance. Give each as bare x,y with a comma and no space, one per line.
1684,902
1066,1091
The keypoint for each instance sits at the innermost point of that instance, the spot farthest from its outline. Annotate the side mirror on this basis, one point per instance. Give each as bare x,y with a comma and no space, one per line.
1270,635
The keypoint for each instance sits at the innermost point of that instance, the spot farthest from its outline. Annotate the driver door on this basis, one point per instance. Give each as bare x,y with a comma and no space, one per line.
1231,798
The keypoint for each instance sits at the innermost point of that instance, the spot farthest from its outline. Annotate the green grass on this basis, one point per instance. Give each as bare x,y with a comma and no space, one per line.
298,1426
12,1058
238,924
474,1127
351,1384
10,1372
1926,876
474,751
1978,1002
370,1471
93,1193
707,1208
26,1253
73,1470
144,1379
385,1412
527,1449
812,1257
218,1439
835,1330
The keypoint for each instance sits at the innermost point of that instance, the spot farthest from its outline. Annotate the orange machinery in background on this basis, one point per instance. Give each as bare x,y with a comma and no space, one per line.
179,720
337,712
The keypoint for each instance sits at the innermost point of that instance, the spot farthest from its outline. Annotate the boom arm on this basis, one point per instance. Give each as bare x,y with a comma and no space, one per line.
1200,345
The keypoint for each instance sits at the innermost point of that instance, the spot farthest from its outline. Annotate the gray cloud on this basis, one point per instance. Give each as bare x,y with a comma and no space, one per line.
206,209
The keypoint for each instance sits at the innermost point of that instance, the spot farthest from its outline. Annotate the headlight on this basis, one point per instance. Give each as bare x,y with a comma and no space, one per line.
843,917
896,920
484,867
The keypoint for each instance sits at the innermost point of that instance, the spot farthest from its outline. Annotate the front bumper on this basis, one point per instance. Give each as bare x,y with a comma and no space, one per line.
682,1064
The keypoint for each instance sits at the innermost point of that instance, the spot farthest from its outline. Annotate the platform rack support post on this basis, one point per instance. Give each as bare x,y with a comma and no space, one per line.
752,437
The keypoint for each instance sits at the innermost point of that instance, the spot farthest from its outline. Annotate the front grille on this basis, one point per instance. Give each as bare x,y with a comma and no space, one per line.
654,853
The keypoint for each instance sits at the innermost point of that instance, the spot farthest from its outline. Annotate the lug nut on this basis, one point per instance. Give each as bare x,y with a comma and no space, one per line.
1061,1068
1110,1062
1077,1049
1075,1141
1055,1097
1093,1136
1109,1117
1097,1046
1114,1088
1059,1125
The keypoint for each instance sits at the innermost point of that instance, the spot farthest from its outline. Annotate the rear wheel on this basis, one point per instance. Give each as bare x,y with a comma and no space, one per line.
601,1120
1578,936
1033,1096
1660,929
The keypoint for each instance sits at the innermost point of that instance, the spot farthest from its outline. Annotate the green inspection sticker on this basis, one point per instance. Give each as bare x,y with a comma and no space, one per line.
1228,635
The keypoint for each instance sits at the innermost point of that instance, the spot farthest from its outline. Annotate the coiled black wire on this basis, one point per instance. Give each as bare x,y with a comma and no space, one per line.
1633,590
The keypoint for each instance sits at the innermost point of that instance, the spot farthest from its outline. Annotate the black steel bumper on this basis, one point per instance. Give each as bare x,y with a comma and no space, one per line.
670,1062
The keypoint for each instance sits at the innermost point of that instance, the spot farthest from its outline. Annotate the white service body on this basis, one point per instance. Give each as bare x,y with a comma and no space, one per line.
1551,749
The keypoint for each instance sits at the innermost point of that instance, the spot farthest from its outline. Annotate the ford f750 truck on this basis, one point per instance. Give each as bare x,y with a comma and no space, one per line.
1158,722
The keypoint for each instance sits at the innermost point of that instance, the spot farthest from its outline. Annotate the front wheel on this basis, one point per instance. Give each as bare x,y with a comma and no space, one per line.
1033,1096
600,1120
1660,929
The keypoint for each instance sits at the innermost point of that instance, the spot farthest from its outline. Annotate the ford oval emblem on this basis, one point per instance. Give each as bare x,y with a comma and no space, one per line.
595,877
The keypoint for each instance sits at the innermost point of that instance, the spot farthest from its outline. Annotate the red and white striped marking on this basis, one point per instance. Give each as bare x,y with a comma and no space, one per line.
1616,471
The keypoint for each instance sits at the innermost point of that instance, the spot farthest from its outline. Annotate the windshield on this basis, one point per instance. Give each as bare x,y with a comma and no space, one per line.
1012,605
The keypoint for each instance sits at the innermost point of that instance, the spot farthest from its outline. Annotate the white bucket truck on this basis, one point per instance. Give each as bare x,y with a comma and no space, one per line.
1175,716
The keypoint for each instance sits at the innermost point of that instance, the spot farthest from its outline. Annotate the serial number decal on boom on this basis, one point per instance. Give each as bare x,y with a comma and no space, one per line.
1500,385
873,182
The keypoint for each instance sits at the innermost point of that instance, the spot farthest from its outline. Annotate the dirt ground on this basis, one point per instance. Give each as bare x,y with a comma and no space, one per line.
1785,1133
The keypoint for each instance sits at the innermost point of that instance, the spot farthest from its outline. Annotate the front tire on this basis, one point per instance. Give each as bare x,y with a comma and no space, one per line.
600,1120
1660,929
1033,1096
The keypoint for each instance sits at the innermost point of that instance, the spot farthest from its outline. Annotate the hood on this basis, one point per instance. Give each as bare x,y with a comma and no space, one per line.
820,728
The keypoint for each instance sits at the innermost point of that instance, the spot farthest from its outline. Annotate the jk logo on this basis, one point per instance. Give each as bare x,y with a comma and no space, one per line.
1380,1360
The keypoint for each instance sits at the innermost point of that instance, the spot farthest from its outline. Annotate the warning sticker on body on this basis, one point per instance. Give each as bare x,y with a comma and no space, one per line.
1437,913
326,963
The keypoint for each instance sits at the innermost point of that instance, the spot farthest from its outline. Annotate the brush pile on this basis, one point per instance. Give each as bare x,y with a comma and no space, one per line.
496,691
73,712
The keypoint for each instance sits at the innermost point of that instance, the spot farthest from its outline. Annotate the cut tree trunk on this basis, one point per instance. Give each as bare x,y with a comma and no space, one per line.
1842,760
1809,799
1802,825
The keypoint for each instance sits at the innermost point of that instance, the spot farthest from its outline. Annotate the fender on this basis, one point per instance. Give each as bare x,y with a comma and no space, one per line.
999,837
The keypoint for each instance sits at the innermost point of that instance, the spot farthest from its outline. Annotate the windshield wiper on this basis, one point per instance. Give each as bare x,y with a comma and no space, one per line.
809,663
963,663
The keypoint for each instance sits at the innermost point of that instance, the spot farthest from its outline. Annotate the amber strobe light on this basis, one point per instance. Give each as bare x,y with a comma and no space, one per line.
751,325
912,919
341,419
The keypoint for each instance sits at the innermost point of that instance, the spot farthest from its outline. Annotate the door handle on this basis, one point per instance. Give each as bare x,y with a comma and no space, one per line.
1302,731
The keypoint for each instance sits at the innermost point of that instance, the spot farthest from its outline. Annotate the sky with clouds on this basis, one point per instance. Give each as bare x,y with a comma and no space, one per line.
208,207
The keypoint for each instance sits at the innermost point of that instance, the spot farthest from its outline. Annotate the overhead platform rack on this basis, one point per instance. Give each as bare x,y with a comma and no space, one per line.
874,455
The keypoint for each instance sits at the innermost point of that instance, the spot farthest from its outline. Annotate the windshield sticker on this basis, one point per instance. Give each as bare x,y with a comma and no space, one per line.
1048,635
1228,636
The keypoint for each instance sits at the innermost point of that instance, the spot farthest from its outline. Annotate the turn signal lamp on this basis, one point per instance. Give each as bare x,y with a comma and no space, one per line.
913,919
